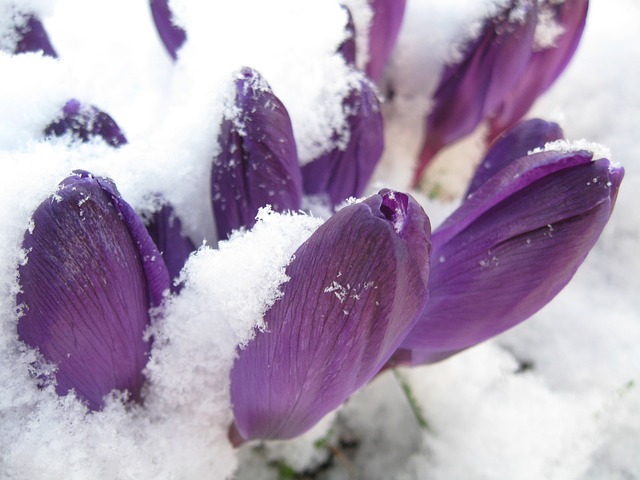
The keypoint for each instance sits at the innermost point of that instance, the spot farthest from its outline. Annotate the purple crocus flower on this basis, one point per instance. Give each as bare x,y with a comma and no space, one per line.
165,229
32,37
85,122
516,57
91,274
258,161
476,86
383,33
172,36
356,287
510,248
560,28
345,170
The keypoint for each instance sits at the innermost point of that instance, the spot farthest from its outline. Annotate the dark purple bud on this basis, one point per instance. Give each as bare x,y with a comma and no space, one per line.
511,247
165,230
32,37
356,287
172,35
92,272
348,47
559,31
472,89
383,33
513,144
258,162
85,122
345,171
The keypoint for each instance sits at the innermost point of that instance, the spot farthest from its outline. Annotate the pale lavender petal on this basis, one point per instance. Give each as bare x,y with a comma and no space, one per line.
258,162
511,248
472,89
513,144
355,289
383,33
546,62
85,122
171,35
345,171
92,273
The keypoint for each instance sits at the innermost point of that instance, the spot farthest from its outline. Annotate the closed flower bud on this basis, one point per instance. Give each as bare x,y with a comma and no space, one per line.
91,275
356,287
258,162
476,86
84,123
511,247
560,28
345,170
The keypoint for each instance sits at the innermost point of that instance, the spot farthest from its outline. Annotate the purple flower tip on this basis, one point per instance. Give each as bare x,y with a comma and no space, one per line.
90,277
85,122
32,37
258,161
172,36
511,247
344,171
356,287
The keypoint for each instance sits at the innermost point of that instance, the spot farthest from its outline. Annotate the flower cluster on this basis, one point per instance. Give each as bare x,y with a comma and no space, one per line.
372,287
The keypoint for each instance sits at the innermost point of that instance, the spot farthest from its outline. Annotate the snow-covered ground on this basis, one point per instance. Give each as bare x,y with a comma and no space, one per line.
557,397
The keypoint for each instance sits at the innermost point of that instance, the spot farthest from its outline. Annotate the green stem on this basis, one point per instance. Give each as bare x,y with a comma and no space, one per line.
411,399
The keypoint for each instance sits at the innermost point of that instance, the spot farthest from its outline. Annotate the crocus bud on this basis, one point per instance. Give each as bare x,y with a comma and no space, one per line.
171,35
383,33
31,36
345,170
559,31
356,287
511,247
516,142
165,229
85,122
258,162
348,47
475,87
91,274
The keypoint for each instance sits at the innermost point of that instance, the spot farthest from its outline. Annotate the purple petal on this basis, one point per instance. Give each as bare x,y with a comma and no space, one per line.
172,36
545,64
348,47
92,273
356,287
475,87
85,122
508,250
165,230
513,144
345,171
383,33
33,38
258,161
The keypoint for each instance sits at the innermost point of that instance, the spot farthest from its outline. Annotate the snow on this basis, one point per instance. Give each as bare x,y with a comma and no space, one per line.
556,397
